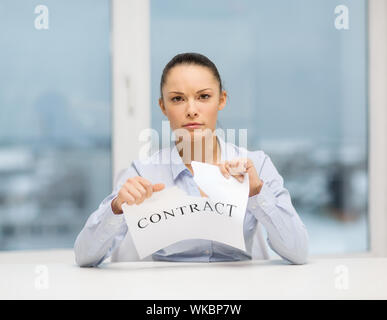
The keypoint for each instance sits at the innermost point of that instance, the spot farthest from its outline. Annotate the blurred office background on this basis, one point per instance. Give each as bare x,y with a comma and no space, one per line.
55,120
295,81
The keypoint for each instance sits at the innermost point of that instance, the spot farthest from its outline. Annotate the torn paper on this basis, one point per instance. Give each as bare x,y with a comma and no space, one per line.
171,215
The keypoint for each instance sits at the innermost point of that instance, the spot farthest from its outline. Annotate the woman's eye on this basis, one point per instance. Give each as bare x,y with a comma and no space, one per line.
174,99
205,96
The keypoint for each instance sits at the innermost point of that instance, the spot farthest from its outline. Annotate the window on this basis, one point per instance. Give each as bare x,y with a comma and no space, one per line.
298,82
55,123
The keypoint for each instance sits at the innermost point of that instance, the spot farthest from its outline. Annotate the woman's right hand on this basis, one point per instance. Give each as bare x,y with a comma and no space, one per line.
134,191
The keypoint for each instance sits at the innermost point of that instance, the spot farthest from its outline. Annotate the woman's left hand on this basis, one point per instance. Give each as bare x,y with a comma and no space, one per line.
237,167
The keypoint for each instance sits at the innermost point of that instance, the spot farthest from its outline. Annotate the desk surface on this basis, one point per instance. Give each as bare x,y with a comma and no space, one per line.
53,274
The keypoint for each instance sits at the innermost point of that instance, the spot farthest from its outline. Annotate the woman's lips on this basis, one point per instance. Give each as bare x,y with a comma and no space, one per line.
193,126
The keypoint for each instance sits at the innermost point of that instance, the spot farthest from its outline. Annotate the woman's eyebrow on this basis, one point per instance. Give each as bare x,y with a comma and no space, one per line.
204,89
183,93
175,92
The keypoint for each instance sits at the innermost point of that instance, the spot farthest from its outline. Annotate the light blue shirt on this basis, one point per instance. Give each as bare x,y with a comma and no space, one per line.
105,234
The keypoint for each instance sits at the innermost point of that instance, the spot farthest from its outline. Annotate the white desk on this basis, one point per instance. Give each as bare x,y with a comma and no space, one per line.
360,278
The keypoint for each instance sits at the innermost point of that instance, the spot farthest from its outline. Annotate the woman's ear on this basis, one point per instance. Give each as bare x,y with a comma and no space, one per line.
222,100
162,107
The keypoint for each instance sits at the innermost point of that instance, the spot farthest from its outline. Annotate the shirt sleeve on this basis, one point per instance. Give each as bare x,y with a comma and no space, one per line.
103,231
272,206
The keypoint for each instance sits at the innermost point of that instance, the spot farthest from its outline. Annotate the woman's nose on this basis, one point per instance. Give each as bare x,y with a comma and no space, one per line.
191,109
192,113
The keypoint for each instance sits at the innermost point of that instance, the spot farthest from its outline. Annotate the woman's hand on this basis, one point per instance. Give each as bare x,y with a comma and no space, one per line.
134,191
237,167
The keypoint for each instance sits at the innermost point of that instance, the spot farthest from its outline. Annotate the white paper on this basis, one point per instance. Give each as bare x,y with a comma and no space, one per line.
171,215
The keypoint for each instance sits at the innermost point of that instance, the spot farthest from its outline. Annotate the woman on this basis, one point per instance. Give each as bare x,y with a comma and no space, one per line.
191,95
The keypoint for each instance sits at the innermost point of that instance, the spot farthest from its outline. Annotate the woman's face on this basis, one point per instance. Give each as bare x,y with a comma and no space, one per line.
191,94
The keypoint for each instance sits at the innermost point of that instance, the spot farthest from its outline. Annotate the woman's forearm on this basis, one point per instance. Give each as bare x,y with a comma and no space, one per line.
101,234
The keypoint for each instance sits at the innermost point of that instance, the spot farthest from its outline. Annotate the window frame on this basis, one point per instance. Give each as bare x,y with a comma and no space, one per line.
377,121
130,52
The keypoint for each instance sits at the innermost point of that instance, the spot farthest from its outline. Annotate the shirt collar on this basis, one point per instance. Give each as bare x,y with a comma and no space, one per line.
177,165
